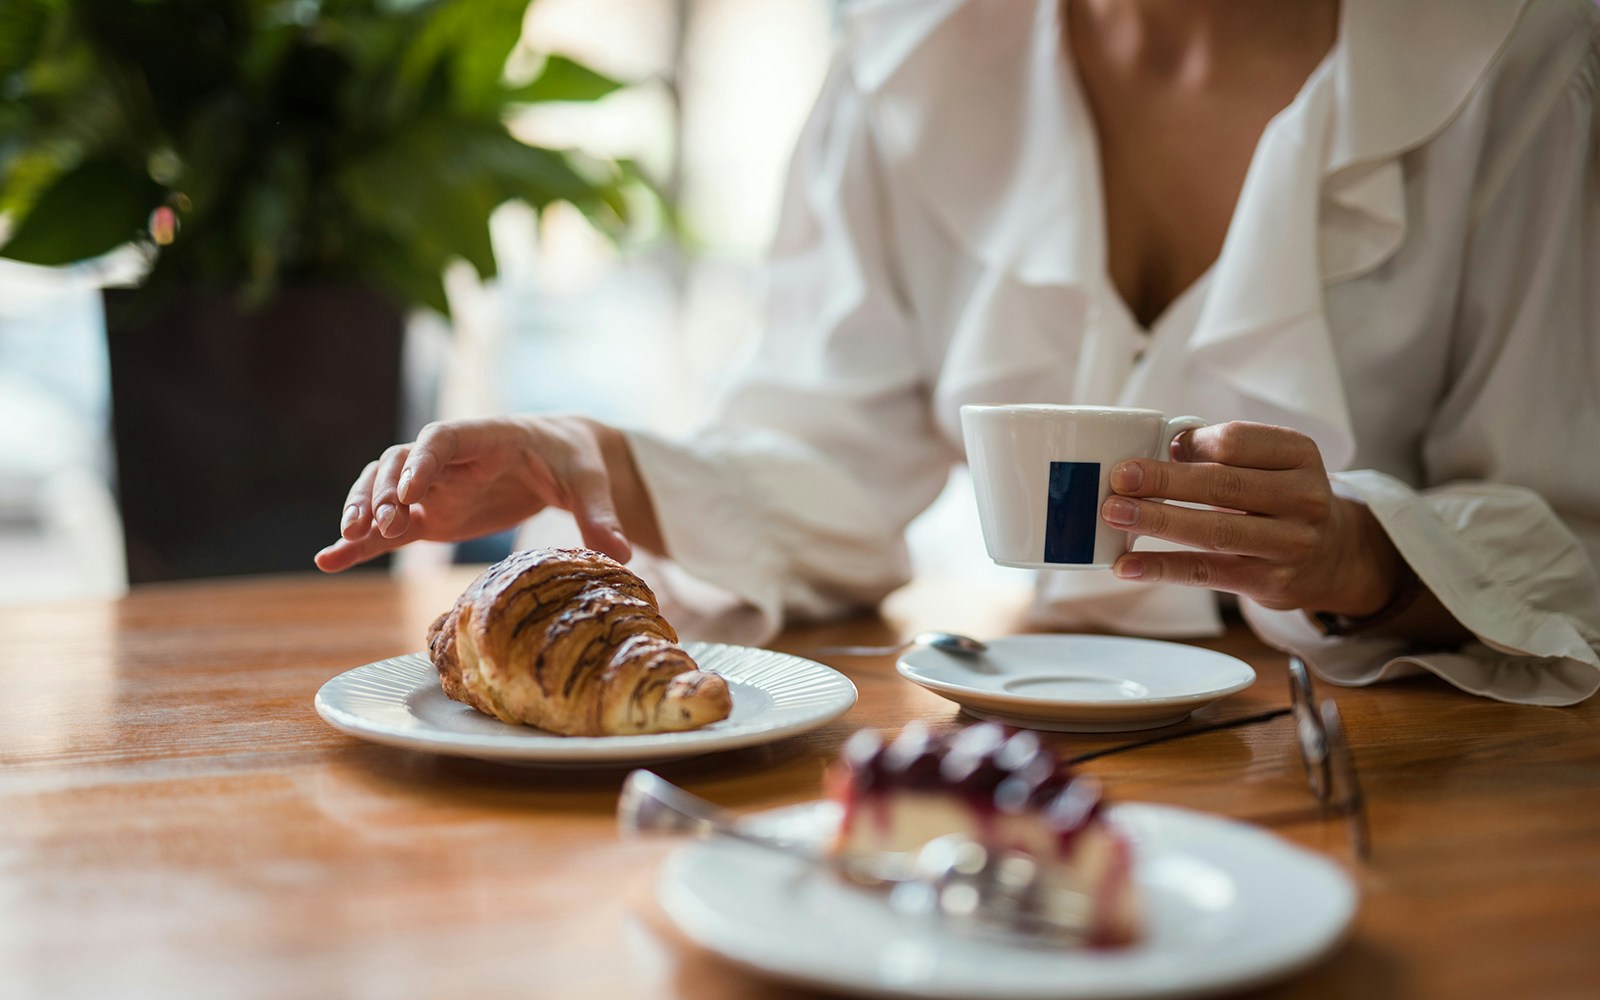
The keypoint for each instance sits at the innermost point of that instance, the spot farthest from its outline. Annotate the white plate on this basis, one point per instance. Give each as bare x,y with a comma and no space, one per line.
1226,906
1080,683
399,702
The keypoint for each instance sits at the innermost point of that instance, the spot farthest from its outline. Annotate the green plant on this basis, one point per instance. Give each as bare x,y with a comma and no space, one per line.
250,143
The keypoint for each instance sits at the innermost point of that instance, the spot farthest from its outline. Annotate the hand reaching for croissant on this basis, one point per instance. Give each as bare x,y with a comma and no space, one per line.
467,478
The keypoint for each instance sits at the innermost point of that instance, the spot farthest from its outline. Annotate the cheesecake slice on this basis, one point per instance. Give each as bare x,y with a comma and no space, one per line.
1003,789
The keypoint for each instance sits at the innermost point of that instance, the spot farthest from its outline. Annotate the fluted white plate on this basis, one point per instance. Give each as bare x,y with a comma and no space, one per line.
399,702
1226,906
1080,683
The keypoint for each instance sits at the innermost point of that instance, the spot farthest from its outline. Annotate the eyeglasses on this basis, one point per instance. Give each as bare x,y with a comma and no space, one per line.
1330,767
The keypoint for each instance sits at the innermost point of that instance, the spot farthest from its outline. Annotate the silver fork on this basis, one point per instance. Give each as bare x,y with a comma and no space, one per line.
954,878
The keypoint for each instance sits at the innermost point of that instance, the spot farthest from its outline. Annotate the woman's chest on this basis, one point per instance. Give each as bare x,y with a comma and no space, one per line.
1171,167
1172,133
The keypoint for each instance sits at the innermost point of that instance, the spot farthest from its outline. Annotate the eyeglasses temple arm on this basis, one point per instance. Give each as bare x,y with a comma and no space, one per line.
1211,727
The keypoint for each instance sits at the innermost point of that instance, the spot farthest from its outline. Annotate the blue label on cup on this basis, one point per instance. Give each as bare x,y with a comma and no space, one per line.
1070,516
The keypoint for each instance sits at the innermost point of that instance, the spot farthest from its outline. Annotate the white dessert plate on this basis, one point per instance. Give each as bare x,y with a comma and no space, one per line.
1080,683
399,702
1226,906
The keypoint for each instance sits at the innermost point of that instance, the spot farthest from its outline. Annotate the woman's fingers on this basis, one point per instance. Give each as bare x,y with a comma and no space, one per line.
1236,466
1273,500
589,496
389,515
1270,584
1212,530
340,556
1225,486
437,446
1281,537
1248,445
597,519
348,552
356,521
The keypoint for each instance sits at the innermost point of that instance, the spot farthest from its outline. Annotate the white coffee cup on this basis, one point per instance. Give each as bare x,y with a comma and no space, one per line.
1042,473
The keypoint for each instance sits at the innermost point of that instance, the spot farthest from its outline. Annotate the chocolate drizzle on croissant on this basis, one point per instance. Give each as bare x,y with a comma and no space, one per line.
571,641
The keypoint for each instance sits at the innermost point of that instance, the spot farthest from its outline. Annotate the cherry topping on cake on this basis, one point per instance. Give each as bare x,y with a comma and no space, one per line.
991,768
860,757
912,760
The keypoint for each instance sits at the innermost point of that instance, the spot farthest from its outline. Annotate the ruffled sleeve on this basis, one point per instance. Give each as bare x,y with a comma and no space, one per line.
1506,529
797,500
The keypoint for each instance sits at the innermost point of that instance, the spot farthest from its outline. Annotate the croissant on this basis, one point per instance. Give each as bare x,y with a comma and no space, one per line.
571,641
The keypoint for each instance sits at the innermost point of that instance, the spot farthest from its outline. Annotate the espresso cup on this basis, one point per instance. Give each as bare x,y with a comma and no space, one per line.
1042,472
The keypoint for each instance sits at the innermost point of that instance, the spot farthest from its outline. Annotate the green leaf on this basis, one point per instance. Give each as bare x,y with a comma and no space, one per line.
563,79
399,270
215,156
470,43
534,174
22,30
441,212
88,211
26,174
270,215
479,62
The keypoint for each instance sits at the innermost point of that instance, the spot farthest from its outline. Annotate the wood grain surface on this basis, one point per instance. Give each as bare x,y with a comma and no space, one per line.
176,821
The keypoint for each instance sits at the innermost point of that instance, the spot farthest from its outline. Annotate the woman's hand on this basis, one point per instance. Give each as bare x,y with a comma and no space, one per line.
1282,538
467,478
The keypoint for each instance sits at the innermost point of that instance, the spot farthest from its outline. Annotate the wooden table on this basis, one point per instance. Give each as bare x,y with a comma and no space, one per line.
176,821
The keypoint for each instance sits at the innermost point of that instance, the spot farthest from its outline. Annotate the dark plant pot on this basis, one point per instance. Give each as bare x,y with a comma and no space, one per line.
238,434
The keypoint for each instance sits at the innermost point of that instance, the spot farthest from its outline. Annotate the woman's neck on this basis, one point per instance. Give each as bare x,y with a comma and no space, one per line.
1197,40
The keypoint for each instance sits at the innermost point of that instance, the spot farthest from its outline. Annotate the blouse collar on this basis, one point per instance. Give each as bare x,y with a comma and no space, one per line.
975,104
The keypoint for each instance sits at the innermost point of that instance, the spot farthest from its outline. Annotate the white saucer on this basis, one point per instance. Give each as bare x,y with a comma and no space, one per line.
1225,905
399,702
1080,683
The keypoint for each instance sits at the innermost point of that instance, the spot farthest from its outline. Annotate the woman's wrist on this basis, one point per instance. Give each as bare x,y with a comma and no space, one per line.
1374,579
1407,609
1400,601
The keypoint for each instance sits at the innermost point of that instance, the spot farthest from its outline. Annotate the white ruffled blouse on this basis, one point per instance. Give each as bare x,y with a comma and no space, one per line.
1411,276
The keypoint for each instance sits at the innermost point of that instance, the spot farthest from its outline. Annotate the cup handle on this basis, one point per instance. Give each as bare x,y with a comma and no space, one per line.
1174,427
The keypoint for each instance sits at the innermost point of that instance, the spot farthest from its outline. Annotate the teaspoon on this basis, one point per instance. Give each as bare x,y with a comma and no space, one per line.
950,642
